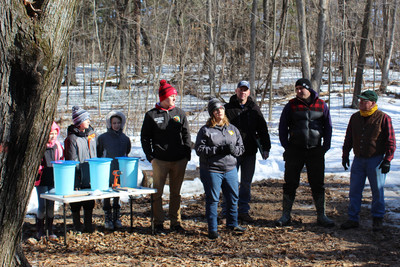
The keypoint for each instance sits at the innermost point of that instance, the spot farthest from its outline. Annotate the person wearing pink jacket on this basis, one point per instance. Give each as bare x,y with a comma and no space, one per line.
45,182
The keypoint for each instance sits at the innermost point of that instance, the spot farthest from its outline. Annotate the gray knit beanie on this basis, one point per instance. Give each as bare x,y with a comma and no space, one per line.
79,115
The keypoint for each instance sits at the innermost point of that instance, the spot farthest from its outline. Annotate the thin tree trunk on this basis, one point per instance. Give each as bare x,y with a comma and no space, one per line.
389,43
253,33
305,56
319,62
362,53
137,20
123,6
211,49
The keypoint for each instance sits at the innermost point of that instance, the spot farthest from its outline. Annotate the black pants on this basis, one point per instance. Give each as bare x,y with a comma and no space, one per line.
295,159
87,205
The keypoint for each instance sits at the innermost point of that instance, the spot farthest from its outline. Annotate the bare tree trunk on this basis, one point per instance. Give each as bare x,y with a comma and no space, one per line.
32,51
319,64
123,9
362,53
137,18
282,32
253,32
211,49
389,43
305,56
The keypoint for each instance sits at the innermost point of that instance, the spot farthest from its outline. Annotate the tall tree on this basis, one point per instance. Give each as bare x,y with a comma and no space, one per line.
390,18
362,53
253,31
32,50
137,22
123,10
305,56
316,77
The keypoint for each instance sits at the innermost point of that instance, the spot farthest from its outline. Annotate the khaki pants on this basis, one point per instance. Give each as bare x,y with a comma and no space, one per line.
176,172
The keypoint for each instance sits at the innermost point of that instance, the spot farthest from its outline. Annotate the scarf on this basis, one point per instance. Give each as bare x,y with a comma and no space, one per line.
368,113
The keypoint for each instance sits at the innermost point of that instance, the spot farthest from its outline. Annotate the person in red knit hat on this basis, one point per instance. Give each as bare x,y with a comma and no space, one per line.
165,138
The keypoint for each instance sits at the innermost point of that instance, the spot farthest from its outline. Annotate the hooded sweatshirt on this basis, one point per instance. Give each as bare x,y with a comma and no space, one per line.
53,152
112,144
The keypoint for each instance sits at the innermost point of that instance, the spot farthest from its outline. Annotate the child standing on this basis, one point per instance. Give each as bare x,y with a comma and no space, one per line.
111,144
45,182
80,145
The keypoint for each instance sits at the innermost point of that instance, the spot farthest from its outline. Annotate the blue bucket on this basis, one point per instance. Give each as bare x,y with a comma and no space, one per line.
99,169
64,176
129,168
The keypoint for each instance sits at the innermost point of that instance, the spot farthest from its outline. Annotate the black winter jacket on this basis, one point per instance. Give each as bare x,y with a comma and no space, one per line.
165,135
250,122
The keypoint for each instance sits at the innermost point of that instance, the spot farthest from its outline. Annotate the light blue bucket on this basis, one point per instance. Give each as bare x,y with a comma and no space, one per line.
129,168
64,176
99,169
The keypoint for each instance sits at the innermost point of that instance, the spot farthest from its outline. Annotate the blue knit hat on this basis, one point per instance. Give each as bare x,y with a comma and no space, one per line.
79,115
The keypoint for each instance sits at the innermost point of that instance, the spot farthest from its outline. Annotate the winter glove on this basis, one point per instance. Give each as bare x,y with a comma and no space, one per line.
223,150
385,166
232,149
345,163
265,155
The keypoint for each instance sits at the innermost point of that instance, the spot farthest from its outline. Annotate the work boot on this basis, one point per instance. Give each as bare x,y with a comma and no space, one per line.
349,224
377,224
39,228
108,220
49,223
322,219
245,217
287,204
116,218
76,219
88,225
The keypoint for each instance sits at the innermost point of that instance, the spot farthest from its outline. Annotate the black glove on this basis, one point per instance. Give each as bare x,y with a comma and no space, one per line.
223,150
232,149
385,166
345,163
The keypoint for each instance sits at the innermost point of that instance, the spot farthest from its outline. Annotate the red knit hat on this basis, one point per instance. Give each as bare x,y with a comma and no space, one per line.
166,90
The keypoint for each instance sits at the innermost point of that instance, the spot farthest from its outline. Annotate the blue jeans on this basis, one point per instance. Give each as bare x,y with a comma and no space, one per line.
44,206
213,182
360,169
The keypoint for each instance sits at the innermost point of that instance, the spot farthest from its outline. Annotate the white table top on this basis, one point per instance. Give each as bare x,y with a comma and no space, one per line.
84,195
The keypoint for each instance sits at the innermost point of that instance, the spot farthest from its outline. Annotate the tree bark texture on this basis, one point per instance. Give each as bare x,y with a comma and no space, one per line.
389,43
362,53
32,51
319,62
305,55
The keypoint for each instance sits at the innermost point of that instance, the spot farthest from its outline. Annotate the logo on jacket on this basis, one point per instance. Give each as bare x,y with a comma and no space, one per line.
159,120
177,118
231,132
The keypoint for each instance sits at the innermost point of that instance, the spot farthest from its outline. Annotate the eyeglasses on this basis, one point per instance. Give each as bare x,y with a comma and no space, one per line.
364,100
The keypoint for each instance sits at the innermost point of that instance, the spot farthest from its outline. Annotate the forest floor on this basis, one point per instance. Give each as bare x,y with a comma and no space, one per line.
302,244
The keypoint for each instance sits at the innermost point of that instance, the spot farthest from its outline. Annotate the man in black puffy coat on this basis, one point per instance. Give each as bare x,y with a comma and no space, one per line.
304,122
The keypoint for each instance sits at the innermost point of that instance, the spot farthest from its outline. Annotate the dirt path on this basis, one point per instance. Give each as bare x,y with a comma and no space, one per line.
302,244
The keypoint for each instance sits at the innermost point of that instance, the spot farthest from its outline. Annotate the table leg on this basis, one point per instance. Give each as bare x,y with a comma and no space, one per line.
131,204
65,226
